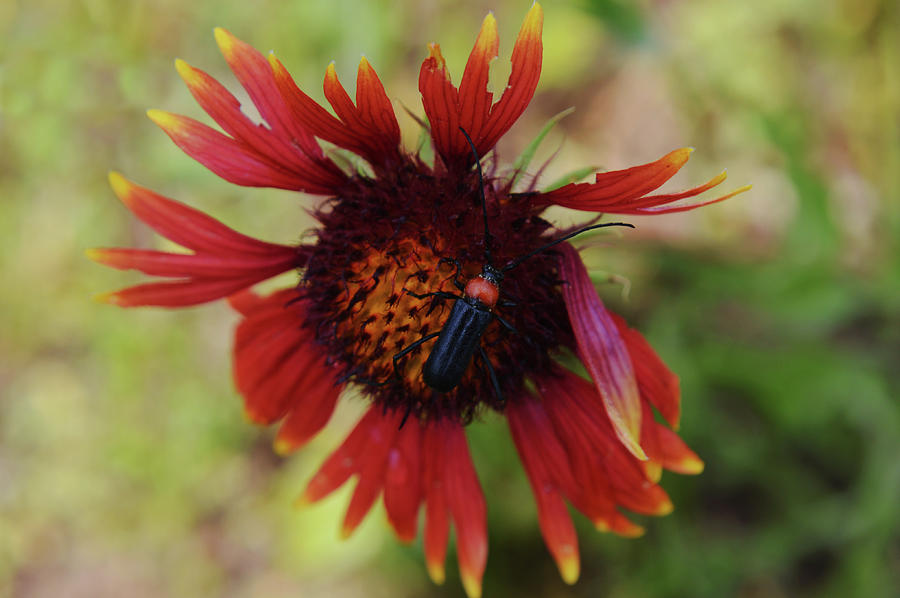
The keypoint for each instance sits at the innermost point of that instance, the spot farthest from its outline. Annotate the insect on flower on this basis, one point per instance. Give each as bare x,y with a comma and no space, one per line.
472,312
372,285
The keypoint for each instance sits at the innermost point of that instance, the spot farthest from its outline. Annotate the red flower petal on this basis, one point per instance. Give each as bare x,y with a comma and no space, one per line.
225,261
403,481
474,98
471,107
437,519
602,350
666,448
373,121
657,383
374,106
625,191
343,462
232,160
370,467
440,100
255,75
314,117
526,71
280,371
301,425
160,263
549,473
284,156
451,485
607,475
371,130
180,293
383,457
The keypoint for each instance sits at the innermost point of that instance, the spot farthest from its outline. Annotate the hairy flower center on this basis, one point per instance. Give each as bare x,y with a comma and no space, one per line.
385,250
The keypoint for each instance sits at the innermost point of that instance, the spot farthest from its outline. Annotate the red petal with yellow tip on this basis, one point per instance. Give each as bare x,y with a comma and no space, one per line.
614,190
160,263
374,106
474,98
437,522
283,150
625,191
594,452
526,71
232,160
440,100
451,487
184,225
180,293
602,350
255,75
470,107
666,448
623,477
224,261
549,473
373,121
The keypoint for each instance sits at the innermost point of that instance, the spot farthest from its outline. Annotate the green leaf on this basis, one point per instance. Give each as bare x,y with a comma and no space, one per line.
524,159
571,177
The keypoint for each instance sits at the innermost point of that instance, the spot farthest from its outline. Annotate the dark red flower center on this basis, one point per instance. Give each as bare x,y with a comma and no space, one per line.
384,241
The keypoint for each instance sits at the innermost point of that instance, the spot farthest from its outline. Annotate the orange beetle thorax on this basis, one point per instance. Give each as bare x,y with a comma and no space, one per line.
483,290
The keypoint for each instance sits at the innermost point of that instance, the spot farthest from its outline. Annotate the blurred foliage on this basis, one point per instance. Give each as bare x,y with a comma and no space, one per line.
127,469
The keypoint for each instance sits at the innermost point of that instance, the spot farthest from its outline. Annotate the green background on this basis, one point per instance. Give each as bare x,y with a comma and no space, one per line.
126,468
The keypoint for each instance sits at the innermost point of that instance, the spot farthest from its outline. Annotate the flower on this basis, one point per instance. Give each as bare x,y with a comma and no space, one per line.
395,240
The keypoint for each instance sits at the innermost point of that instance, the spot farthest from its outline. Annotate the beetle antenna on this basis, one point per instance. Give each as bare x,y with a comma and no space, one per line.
487,234
514,263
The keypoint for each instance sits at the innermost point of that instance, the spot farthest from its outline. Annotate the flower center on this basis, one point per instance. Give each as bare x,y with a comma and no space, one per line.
382,254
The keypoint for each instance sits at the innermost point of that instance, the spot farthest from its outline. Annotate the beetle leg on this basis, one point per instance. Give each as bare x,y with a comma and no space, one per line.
506,324
405,351
406,413
492,374
439,294
456,281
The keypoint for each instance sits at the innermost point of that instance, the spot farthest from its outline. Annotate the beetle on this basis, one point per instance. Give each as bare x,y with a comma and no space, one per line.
472,311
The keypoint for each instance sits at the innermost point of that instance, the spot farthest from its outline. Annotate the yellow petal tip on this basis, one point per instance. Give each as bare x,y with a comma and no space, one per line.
665,508
534,19
302,501
471,585
120,185
94,254
160,117
224,39
282,447
569,569
436,572
189,74
107,298
346,531
434,51
653,471
691,466
630,441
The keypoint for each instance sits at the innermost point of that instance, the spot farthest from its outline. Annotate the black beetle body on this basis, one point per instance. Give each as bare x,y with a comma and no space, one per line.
459,338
